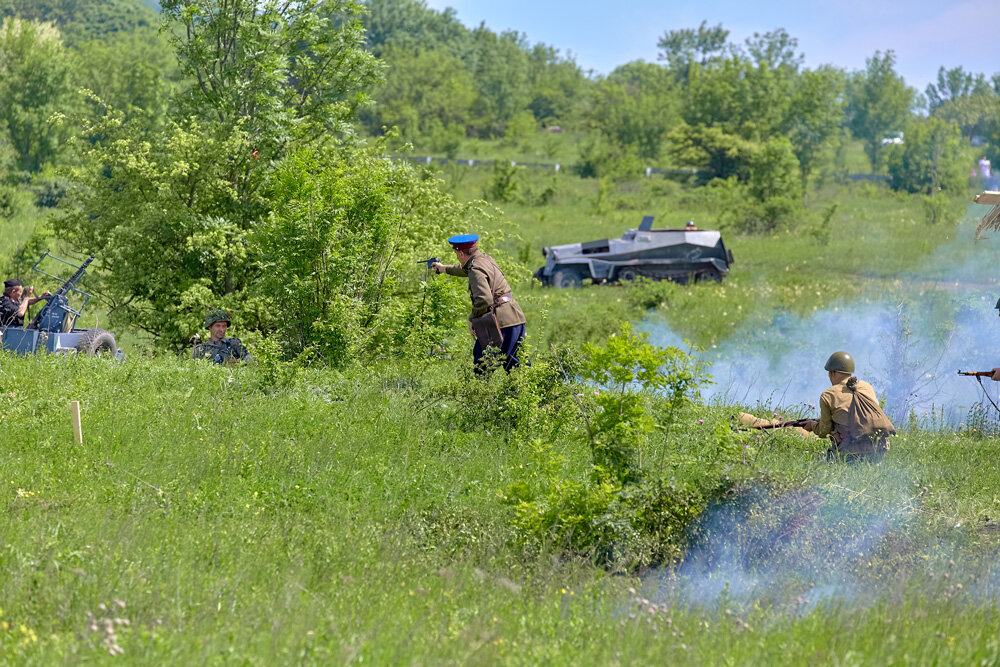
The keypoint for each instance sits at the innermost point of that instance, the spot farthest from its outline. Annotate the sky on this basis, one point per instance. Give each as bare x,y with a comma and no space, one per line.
603,35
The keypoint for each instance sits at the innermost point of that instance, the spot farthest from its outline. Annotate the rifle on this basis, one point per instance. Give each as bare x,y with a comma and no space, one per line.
52,316
764,427
428,262
979,375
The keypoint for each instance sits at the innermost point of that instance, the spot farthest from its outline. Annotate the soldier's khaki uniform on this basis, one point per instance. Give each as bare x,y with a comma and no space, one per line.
489,289
851,415
486,286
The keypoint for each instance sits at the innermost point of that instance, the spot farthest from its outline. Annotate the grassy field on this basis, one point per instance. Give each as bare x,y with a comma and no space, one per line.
277,514
220,516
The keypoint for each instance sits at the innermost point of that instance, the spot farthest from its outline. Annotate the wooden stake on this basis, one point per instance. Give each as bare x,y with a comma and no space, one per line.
74,408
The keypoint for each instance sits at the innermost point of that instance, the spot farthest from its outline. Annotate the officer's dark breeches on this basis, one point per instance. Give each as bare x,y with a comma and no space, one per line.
512,338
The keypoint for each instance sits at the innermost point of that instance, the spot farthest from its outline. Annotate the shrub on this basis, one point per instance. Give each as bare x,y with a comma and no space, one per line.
615,514
930,159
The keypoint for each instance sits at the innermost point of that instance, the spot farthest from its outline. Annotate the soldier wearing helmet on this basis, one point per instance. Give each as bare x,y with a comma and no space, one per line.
851,415
218,348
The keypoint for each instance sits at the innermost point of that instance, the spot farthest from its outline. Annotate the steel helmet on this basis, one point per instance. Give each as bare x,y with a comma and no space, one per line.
218,315
841,362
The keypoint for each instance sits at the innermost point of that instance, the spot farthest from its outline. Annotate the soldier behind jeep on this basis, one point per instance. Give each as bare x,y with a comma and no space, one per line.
218,348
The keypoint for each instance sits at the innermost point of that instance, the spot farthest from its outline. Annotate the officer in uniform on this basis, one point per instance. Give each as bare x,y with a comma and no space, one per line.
488,290
12,306
218,348
851,415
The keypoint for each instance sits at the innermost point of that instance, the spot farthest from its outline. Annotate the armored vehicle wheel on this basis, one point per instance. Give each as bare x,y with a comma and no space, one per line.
708,276
97,341
567,278
627,275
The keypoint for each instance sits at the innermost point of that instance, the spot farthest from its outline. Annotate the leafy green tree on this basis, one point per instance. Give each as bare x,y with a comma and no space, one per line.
34,84
931,158
976,114
750,91
130,70
169,216
954,84
557,86
635,107
501,75
410,26
686,47
423,91
83,20
878,103
815,116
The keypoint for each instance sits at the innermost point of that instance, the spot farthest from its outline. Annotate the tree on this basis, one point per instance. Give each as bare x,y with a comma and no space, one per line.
815,115
82,20
500,71
931,158
557,86
34,85
686,47
952,85
878,102
424,92
635,107
130,71
169,215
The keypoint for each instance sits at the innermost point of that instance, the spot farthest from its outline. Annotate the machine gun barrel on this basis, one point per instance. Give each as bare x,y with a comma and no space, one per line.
58,299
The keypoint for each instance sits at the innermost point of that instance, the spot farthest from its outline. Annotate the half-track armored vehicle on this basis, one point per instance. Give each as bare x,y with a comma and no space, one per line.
53,329
680,255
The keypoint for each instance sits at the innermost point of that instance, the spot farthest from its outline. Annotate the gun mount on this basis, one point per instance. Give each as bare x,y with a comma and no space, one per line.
680,255
53,329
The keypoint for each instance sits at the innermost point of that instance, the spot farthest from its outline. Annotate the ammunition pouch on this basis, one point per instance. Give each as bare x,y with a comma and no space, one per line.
486,327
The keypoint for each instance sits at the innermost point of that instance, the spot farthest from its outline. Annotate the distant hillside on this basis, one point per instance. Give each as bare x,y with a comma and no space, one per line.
81,20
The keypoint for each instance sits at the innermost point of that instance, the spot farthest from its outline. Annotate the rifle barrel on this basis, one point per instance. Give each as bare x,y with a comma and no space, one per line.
982,374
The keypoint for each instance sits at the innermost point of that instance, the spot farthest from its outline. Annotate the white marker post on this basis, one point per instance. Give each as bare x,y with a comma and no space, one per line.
74,408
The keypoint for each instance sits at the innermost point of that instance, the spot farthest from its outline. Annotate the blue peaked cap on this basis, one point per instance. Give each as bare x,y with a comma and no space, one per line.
463,241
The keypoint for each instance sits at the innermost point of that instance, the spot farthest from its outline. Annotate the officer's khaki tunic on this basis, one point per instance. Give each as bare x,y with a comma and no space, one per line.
486,284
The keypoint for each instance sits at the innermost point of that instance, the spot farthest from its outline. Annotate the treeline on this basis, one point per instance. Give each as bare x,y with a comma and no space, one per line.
750,112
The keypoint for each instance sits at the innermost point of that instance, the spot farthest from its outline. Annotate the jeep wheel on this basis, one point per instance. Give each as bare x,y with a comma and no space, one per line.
567,279
97,341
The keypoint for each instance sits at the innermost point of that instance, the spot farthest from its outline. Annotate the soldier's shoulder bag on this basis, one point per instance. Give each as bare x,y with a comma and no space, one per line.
486,327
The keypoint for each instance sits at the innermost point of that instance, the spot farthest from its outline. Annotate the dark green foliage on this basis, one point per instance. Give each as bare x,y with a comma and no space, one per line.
930,159
444,75
624,514
35,83
878,103
82,20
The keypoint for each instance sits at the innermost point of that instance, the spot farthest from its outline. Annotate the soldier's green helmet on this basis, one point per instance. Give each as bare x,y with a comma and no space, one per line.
217,315
841,362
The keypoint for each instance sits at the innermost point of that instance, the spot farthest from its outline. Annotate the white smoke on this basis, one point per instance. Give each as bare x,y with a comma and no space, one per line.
909,342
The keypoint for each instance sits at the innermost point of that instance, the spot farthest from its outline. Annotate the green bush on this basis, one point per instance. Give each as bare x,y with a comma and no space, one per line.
621,513
930,159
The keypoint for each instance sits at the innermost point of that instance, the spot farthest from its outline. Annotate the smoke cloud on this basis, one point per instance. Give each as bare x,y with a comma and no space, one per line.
908,341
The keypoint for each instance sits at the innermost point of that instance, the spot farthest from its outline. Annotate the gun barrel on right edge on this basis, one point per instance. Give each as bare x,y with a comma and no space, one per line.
980,374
